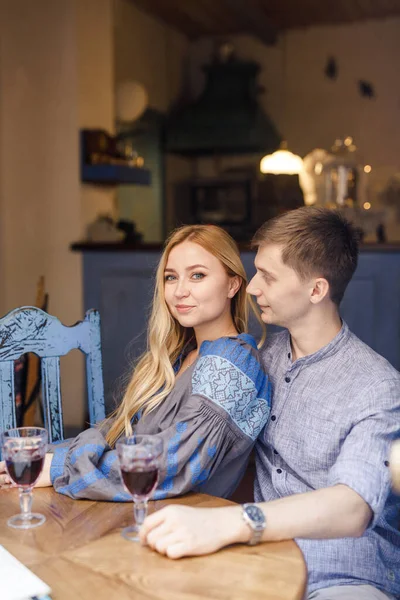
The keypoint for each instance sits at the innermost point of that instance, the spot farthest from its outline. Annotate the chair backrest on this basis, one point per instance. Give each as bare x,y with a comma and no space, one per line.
29,329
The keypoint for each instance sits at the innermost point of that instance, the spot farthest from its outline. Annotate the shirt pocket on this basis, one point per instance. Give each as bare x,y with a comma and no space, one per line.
319,443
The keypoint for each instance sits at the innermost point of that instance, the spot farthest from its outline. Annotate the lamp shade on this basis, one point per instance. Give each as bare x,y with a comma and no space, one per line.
131,100
281,162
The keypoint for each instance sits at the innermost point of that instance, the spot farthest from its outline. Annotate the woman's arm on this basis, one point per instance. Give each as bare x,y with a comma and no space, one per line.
86,467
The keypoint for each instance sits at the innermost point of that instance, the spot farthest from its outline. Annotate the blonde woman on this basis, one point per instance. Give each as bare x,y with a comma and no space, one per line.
200,386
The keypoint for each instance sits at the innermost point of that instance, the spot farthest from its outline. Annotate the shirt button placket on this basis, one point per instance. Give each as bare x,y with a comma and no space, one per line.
280,482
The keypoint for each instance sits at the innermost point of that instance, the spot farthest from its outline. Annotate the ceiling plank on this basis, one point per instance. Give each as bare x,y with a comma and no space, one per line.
174,15
262,18
253,20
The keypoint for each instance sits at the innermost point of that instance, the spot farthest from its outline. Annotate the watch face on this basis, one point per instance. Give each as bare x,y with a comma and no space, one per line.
255,514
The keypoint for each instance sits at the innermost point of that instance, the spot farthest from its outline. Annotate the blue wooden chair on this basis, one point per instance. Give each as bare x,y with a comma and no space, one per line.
29,329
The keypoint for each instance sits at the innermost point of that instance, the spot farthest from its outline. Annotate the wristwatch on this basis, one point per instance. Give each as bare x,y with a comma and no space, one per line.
255,519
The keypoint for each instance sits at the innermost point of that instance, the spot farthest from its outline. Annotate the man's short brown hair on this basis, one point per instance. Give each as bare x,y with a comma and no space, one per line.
315,242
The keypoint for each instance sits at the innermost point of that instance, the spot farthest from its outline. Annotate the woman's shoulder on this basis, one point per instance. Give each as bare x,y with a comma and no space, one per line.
230,375
238,354
230,347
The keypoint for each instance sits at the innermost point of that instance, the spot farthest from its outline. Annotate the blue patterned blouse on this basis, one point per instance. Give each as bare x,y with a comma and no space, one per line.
208,423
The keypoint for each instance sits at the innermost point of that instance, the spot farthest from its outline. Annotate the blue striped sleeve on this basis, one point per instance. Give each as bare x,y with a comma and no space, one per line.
58,462
86,467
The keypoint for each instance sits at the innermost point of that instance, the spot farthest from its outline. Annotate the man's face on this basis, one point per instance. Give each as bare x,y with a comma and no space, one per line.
283,297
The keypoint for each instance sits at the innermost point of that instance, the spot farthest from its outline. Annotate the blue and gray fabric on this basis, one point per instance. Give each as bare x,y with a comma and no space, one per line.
334,416
208,423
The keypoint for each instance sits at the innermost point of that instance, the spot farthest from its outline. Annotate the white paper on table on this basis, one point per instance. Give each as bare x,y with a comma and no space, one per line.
17,582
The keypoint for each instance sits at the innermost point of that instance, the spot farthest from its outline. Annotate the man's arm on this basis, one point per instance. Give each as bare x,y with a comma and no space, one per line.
333,512
357,488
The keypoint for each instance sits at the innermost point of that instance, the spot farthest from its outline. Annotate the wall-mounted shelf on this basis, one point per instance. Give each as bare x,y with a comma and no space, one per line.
115,174
95,142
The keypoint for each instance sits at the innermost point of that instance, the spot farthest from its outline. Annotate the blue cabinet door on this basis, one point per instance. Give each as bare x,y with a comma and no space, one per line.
371,305
120,284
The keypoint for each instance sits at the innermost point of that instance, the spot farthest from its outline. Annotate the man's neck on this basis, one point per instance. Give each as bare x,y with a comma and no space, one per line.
314,333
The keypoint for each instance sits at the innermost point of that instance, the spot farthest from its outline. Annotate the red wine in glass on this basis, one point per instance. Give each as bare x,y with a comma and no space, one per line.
25,472
24,451
140,482
139,460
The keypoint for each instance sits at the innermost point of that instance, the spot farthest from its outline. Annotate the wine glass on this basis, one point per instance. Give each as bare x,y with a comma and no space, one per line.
139,460
24,451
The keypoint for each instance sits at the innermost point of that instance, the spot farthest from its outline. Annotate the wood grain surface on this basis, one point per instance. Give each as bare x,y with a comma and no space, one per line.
80,554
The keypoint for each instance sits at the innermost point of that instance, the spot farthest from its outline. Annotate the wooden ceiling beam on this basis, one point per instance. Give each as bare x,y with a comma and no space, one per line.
253,20
174,14
262,18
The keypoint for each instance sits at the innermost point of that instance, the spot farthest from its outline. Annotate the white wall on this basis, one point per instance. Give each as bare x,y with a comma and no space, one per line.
311,110
56,75
40,213
95,50
321,109
148,51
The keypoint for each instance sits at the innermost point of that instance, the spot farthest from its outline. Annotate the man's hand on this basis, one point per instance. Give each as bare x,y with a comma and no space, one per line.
43,481
178,531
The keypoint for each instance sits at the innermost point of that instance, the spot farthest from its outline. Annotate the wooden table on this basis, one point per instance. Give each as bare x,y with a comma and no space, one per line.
81,555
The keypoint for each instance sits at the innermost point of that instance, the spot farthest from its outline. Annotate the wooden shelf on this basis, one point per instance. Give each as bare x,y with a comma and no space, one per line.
114,174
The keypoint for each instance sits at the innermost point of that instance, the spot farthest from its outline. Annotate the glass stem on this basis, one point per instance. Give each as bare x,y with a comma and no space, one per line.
25,502
140,511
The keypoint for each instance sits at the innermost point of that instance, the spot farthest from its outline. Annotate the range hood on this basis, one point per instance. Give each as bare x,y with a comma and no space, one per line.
226,118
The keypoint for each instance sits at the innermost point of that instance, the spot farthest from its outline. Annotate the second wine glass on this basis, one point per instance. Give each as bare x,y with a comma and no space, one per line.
139,460
24,451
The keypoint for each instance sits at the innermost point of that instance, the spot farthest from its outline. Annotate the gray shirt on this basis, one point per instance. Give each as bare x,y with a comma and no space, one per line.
334,416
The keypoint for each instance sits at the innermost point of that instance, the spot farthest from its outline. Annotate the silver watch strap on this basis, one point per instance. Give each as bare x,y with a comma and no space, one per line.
256,535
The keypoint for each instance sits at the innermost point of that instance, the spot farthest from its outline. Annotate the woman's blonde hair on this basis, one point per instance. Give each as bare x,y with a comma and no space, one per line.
154,377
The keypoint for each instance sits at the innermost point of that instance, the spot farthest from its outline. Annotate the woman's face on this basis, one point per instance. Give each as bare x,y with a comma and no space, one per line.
197,289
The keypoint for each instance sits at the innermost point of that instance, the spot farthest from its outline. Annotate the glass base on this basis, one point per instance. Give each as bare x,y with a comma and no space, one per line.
131,533
26,522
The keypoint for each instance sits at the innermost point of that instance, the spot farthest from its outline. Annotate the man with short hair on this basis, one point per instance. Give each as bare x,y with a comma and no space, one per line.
322,472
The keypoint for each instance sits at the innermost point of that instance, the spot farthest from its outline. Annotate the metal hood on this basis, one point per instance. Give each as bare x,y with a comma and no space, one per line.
226,118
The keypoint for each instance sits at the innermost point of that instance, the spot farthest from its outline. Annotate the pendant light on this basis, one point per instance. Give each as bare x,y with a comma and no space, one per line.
282,162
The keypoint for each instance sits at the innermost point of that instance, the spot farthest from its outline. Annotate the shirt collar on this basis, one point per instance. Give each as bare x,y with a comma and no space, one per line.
330,349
